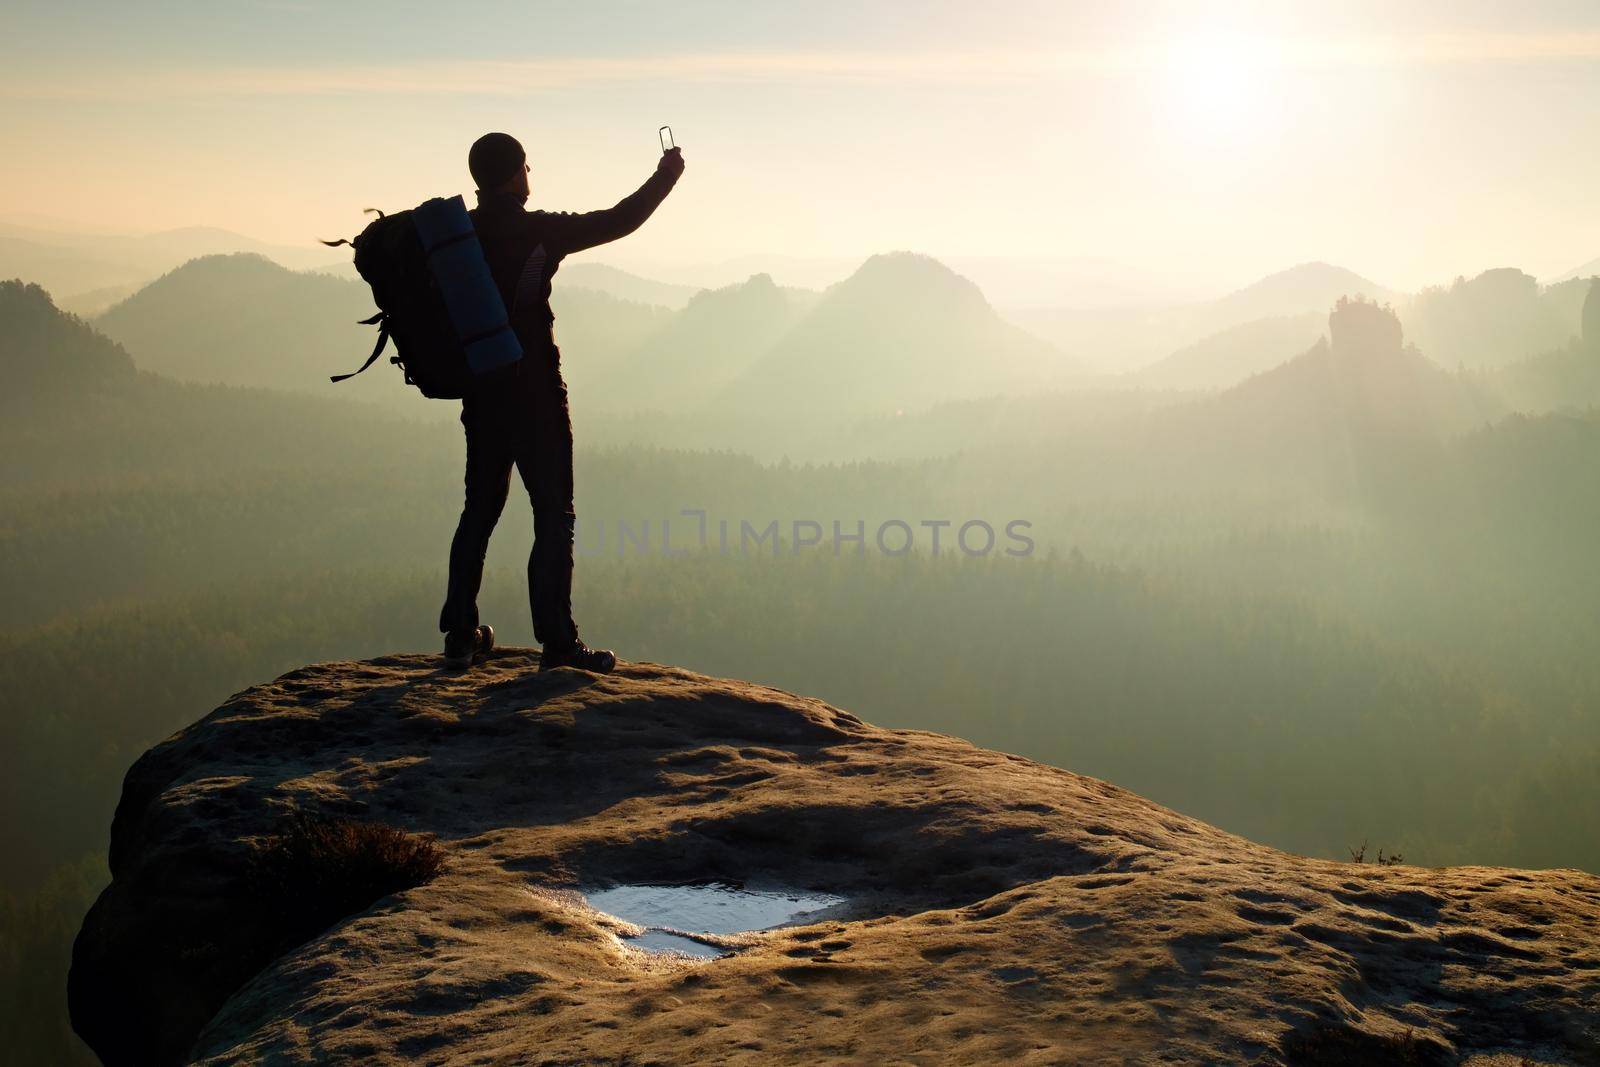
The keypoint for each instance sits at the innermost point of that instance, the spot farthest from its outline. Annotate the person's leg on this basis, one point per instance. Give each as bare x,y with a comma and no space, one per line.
488,480
545,462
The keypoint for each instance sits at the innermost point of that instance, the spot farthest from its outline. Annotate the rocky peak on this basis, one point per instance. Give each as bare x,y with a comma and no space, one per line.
995,909
1362,328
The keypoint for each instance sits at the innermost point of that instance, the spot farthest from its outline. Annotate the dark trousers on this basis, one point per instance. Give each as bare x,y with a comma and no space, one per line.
517,419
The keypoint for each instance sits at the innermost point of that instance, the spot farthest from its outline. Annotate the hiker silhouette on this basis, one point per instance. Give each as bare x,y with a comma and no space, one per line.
517,416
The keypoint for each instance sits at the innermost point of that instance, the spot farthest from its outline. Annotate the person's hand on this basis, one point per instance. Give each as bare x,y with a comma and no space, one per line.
671,162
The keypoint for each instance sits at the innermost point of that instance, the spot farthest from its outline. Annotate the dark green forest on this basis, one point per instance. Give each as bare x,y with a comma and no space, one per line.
1351,597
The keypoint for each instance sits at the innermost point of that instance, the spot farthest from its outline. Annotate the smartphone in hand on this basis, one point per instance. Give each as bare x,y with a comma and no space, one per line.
665,133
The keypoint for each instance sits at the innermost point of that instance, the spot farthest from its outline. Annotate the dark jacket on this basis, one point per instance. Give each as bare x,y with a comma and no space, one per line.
524,248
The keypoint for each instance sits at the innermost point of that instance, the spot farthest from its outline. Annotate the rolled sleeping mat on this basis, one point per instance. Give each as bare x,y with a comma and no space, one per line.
456,261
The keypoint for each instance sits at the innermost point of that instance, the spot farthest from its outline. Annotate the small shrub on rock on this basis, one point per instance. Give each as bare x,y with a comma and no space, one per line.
316,870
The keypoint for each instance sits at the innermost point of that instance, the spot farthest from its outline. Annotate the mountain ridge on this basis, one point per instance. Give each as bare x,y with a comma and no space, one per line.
74,264
1225,358
244,319
713,339
903,331
625,285
47,352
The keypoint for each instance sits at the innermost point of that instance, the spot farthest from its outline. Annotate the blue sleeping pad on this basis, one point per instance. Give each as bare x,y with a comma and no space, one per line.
456,261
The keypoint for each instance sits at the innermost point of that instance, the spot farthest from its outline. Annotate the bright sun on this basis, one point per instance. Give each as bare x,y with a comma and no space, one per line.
1220,85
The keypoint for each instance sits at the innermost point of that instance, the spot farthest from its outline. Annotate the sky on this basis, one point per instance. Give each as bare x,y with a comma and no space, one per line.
1199,145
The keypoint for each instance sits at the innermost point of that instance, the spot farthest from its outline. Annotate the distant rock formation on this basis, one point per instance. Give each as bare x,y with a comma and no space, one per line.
1359,328
1493,320
1361,416
999,911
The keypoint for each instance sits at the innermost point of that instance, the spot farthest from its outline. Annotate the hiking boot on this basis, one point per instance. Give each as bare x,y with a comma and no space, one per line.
460,649
579,655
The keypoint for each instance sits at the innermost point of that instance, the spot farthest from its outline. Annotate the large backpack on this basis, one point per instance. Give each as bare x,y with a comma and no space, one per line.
436,299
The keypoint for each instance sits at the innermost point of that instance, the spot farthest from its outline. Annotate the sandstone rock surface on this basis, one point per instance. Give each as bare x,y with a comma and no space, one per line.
999,910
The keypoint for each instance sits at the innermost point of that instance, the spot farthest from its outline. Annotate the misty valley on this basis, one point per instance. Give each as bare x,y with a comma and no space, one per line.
1313,561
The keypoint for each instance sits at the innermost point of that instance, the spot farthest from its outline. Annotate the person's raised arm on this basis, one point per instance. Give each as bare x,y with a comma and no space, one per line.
592,228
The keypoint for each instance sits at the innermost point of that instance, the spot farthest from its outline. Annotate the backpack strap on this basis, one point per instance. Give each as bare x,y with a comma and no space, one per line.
383,339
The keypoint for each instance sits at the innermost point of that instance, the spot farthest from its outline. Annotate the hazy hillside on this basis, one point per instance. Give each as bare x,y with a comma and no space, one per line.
1290,658
1353,415
47,355
1366,373
1493,320
1122,339
903,331
1306,287
1568,303
1312,436
1300,290
702,349
82,418
1229,357
71,265
1584,272
91,303
122,485
244,320
623,285
64,271
596,331
191,242
1563,378
805,272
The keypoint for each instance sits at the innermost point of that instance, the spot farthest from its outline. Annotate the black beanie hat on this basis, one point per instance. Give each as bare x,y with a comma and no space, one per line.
494,159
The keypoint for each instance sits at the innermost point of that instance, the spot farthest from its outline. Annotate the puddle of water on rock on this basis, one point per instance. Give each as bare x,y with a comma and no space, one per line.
661,941
670,912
